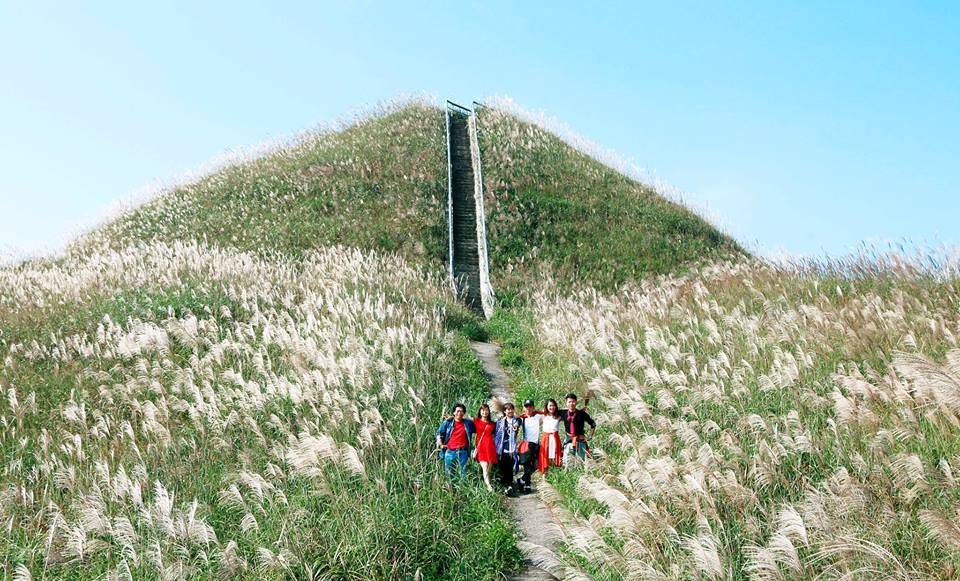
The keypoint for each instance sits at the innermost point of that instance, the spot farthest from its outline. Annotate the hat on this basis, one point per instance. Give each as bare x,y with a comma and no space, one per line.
528,402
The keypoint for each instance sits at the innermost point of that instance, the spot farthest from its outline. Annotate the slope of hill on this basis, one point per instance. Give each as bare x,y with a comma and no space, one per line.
379,184
552,209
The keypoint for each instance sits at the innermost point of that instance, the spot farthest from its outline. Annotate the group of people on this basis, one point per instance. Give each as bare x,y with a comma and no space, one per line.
535,440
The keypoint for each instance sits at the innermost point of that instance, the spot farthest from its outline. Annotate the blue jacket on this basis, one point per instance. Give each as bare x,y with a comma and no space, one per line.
446,429
502,430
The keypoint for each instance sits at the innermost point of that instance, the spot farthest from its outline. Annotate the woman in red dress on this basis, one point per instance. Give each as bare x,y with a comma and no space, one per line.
485,452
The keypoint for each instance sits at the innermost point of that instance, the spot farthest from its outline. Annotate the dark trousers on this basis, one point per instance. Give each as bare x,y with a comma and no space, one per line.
505,466
529,461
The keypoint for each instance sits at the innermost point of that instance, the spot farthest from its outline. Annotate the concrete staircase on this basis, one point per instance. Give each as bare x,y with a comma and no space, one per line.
465,250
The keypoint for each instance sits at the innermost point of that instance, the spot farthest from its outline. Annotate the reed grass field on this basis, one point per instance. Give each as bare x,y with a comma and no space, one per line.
241,378
757,421
181,411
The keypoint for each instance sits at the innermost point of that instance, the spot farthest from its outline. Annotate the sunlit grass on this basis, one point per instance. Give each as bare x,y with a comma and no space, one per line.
177,410
553,209
757,421
241,377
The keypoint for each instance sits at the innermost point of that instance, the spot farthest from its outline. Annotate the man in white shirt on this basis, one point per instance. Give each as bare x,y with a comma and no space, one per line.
531,435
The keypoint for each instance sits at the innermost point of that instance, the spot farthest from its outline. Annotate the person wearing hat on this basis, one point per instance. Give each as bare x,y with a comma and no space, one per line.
529,451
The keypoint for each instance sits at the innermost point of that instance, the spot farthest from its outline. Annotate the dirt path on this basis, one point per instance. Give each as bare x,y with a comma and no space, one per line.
535,522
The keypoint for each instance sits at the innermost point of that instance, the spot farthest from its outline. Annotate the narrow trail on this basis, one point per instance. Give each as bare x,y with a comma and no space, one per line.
535,521
537,527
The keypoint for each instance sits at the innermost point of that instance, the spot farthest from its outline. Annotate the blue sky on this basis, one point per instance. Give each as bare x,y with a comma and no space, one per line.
808,127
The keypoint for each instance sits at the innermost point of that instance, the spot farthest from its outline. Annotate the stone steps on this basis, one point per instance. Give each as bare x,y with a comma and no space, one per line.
466,255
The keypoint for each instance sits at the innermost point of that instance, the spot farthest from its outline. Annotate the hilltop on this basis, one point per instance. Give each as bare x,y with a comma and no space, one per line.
380,184
377,184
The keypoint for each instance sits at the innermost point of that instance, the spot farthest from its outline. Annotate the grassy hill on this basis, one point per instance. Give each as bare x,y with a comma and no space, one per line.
554,210
381,185
241,377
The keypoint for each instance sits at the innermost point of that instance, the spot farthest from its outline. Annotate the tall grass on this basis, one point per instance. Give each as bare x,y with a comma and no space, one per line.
177,410
757,421
240,377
